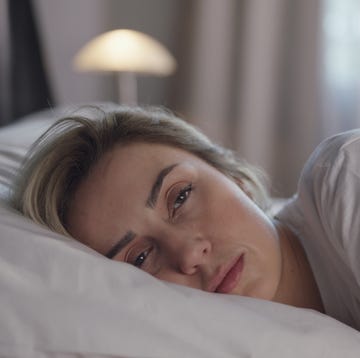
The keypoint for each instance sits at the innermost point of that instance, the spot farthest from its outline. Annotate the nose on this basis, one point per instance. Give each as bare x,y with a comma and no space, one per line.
192,254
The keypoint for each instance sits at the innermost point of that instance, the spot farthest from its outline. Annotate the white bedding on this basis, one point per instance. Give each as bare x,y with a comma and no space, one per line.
61,299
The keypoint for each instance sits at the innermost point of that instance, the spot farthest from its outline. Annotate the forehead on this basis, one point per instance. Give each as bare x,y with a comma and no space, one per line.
134,166
139,157
118,183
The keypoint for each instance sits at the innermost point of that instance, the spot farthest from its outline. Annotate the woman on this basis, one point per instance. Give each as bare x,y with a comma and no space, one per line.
143,187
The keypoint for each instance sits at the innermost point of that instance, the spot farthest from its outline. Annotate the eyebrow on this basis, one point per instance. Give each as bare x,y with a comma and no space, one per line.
150,202
125,240
155,190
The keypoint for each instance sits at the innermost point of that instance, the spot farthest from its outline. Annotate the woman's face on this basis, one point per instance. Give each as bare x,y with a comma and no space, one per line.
176,217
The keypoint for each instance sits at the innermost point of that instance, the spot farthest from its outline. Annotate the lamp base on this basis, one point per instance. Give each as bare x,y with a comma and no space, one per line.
127,88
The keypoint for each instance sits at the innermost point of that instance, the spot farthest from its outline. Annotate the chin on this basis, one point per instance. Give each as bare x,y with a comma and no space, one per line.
261,292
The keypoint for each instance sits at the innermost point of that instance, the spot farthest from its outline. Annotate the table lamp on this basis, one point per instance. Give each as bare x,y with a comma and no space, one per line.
126,52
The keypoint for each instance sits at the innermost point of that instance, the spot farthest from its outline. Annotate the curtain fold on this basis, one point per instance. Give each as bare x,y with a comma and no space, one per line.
4,63
206,62
27,86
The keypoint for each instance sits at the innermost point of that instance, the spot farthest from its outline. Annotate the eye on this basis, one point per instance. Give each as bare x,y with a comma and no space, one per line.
144,254
180,198
140,259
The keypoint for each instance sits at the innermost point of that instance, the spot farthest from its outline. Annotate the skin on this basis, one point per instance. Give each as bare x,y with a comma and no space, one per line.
198,224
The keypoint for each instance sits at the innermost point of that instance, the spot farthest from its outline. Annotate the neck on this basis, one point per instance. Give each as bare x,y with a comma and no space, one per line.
297,284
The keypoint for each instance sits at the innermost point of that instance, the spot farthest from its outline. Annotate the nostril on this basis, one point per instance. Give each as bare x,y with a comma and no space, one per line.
193,255
206,247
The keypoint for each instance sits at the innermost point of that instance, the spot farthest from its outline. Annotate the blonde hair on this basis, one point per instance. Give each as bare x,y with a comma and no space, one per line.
63,156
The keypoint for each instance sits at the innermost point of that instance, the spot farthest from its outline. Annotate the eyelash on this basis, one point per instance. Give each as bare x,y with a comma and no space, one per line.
182,196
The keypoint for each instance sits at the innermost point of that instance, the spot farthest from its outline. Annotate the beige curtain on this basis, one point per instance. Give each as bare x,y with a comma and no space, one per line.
207,65
248,77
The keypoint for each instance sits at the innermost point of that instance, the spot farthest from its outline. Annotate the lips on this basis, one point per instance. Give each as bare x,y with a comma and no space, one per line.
228,277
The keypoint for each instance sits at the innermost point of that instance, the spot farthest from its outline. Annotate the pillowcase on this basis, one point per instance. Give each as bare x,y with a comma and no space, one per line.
59,298
16,139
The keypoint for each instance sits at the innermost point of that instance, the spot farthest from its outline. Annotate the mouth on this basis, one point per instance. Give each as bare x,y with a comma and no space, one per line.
228,277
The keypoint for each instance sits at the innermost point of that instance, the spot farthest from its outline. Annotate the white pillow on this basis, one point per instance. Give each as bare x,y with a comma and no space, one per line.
59,298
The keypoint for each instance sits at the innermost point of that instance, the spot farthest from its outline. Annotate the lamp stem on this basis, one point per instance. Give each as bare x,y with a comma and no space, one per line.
127,88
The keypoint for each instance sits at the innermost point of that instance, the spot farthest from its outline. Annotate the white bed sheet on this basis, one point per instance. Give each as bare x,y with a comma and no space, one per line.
59,298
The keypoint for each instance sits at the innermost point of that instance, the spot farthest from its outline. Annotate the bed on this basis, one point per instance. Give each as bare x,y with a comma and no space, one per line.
59,298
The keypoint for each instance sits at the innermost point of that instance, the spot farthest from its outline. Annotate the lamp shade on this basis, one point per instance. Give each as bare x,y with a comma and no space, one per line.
125,50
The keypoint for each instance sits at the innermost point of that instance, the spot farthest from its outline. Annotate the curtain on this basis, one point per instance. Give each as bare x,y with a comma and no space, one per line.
340,65
248,77
207,61
4,63
24,84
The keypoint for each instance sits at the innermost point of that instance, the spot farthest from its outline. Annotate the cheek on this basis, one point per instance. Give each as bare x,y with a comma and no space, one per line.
231,205
223,215
246,221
